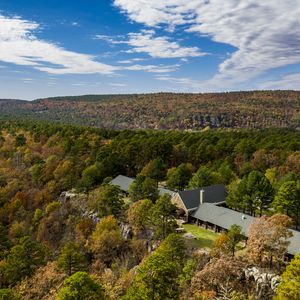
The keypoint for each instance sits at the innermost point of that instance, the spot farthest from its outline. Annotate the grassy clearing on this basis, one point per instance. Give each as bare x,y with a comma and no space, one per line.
205,238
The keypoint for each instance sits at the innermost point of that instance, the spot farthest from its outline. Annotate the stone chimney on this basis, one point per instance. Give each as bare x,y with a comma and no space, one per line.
201,197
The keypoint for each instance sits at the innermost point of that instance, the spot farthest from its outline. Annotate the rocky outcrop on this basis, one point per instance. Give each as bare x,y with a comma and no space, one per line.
265,283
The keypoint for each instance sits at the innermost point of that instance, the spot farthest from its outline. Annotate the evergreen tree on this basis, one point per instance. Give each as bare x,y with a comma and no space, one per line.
261,191
143,188
234,235
154,169
287,200
157,276
72,259
20,140
23,259
226,172
108,201
80,286
253,192
179,177
203,177
91,176
162,217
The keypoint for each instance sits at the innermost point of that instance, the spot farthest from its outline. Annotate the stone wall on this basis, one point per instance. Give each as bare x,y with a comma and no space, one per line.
176,200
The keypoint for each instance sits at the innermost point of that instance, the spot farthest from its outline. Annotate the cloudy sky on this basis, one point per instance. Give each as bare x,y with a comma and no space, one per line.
71,47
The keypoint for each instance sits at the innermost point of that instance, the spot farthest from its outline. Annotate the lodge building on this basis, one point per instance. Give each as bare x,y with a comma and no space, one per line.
206,207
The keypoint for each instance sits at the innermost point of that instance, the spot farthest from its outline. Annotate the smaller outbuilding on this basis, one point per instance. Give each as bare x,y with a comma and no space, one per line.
124,182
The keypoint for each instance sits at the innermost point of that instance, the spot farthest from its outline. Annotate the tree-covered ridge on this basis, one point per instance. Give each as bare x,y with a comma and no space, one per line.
64,157
257,109
77,243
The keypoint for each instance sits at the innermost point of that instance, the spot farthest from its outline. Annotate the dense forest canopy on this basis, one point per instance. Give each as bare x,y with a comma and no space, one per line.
78,243
255,109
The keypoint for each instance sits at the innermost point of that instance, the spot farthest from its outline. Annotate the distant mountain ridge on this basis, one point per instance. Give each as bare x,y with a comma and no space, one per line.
255,109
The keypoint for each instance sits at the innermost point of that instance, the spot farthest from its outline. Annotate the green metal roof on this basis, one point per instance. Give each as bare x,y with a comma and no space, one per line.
225,218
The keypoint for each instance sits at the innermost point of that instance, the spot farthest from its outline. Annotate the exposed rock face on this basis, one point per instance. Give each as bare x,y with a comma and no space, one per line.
126,231
91,215
152,246
78,201
66,196
266,283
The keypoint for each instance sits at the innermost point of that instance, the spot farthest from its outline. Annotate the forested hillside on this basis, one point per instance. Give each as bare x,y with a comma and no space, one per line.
65,231
258,109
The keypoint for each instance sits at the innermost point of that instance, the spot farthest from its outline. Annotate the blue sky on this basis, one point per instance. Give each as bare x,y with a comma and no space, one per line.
51,48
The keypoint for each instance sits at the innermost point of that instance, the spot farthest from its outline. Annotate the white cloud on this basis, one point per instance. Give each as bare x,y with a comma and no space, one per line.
159,47
118,84
289,82
27,80
155,46
182,81
156,12
265,33
125,62
153,68
130,61
79,84
19,45
108,38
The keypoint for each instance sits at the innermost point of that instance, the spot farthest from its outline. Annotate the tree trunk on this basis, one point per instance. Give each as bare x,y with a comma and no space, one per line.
271,262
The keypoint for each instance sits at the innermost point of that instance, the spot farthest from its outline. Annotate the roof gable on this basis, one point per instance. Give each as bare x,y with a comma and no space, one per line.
212,194
123,182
